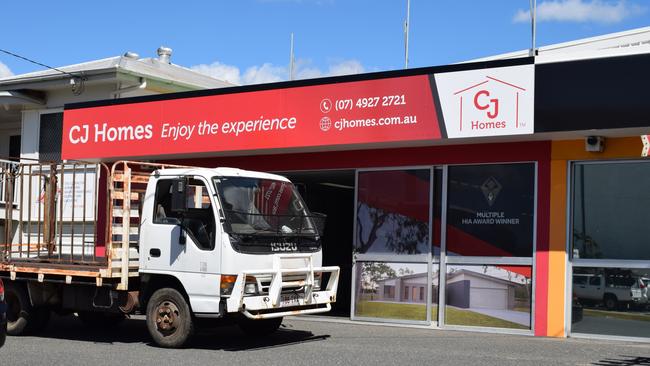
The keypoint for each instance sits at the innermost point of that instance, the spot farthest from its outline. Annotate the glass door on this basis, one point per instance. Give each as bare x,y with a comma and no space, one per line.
610,255
488,246
393,260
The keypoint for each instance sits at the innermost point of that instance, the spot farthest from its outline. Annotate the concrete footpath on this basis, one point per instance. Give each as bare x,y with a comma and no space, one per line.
312,342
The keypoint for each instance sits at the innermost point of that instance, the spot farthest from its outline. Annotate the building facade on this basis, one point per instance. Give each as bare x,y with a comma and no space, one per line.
506,195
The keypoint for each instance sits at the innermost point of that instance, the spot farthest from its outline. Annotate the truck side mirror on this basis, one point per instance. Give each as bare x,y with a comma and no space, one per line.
179,195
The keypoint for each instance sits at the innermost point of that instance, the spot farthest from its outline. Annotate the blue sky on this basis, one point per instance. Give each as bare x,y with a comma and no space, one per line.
247,41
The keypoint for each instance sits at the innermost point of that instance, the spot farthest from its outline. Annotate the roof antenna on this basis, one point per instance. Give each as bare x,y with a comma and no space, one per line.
406,34
291,60
533,21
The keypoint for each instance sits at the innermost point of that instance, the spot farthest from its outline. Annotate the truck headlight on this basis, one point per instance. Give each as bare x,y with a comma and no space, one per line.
250,288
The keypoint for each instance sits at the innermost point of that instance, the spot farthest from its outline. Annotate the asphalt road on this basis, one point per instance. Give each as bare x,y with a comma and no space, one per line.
300,342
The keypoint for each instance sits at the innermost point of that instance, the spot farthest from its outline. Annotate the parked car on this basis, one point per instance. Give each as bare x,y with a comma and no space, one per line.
612,289
3,315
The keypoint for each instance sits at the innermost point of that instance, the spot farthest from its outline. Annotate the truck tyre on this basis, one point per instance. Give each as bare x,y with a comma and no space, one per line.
20,313
259,327
100,320
169,318
611,302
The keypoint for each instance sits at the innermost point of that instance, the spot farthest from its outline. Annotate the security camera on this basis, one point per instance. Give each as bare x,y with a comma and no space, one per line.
594,143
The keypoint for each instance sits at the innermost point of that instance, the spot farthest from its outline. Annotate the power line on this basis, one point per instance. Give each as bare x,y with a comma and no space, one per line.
77,80
38,63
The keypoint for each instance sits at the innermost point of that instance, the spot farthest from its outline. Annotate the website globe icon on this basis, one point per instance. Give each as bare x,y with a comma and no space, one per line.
325,123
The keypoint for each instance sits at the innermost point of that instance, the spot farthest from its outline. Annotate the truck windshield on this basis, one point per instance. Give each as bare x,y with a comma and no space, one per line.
264,206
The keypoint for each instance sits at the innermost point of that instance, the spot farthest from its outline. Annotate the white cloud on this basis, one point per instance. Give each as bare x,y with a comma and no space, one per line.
220,71
346,67
4,71
269,73
582,11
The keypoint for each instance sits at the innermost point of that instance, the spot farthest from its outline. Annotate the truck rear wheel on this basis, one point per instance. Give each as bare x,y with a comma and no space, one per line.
19,310
169,319
259,327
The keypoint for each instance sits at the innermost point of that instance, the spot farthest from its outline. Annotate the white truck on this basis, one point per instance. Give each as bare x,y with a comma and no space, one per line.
180,244
613,290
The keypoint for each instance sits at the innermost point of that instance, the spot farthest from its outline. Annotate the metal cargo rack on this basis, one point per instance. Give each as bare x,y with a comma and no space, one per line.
72,221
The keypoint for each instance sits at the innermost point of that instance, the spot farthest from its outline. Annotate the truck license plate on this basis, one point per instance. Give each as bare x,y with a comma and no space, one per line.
291,299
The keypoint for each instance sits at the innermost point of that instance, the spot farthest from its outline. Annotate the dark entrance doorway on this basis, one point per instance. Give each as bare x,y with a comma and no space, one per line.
332,192
14,147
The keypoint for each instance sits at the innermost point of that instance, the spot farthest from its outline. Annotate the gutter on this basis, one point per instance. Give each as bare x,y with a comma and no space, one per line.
118,93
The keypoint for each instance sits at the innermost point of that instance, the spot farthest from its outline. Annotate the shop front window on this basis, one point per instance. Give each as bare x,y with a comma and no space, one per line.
609,248
490,210
393,211
379,282
610,211
611,301
489,296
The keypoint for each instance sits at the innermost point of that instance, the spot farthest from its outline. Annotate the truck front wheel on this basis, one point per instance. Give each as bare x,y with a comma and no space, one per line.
169,319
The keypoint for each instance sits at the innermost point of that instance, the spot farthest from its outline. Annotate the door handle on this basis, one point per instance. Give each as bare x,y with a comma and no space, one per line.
154,252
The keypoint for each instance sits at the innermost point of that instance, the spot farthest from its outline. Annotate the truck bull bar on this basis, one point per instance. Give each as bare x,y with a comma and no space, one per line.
305,301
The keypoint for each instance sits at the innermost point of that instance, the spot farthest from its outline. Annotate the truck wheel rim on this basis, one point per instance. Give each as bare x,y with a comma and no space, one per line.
167,315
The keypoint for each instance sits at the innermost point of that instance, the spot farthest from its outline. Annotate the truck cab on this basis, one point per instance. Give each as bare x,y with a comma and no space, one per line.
228,243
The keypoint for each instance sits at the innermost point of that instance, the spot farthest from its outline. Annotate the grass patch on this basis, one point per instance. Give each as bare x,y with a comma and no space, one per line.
617,315
467,317
373,309
389,310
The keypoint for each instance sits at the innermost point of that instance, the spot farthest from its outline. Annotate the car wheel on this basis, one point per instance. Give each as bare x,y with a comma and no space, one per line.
169,318
611,302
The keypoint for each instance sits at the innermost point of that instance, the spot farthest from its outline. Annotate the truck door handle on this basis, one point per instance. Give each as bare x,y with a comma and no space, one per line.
155,252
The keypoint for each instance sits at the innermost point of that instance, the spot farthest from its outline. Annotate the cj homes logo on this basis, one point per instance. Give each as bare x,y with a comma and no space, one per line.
480,105
487,102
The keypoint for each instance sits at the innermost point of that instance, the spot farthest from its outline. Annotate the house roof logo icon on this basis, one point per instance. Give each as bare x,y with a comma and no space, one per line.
486,98
489,79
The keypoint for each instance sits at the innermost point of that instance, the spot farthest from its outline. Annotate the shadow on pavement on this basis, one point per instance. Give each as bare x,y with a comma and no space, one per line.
230,338
227,338
624,361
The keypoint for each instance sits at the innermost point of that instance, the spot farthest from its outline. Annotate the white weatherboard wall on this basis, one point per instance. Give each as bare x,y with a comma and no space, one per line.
488,102
29,136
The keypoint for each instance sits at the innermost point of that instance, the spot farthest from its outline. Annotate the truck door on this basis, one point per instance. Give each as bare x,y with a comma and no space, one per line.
182,244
